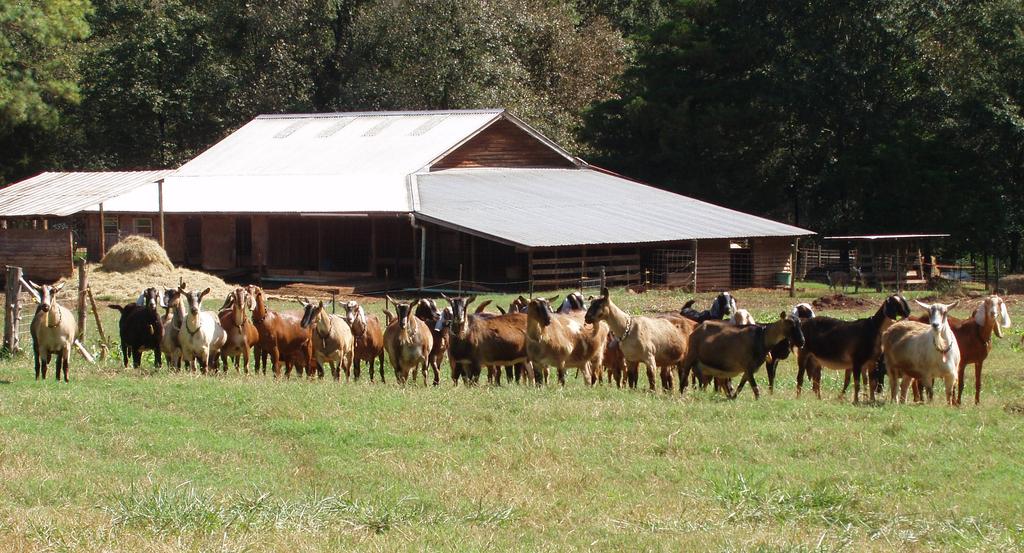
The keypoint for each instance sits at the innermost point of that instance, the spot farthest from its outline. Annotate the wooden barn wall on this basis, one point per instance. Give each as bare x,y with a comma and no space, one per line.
713,271
44,255
503,144
260,240
218,242
715,268
771,255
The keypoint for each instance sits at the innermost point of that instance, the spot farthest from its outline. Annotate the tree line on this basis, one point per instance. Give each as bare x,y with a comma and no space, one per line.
838,116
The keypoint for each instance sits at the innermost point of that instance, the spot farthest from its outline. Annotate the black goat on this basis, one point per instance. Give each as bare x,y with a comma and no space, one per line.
846,345
723,307
141,328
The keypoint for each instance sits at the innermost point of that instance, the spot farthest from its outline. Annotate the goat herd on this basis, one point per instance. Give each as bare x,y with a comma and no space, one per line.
600,340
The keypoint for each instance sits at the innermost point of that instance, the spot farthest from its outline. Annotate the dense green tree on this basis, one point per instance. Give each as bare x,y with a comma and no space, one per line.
37,68
841,116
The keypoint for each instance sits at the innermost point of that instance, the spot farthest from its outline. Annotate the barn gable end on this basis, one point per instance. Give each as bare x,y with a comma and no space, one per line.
503,144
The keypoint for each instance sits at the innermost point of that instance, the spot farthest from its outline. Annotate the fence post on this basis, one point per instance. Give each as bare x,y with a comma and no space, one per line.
12,308
334,302
792,267
83,285
99,325
460,280
604,281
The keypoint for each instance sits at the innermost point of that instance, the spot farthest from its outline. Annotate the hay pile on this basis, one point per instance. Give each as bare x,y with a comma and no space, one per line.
136,263
134,253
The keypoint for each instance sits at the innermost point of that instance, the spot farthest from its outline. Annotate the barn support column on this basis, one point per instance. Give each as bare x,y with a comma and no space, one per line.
103,233
423,255
160,205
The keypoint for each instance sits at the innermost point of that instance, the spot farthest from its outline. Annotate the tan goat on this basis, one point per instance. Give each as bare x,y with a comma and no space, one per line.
655,342
562,341
332,340
407,341
53,329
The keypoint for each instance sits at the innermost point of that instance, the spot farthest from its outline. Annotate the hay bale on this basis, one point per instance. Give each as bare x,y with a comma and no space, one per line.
134,253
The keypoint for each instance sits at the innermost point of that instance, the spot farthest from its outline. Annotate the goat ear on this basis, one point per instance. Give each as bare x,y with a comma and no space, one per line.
204,293
161,300
59,286
470,300
1004,315
782,316
181,286
604,292
554,298
119,308
923,305
446,298
500,310
953,305
389,299
35,291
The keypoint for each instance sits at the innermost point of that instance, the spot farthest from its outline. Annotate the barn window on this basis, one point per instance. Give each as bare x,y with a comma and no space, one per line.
144,226
111,224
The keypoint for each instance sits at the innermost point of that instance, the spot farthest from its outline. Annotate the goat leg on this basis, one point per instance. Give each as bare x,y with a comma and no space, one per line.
977,384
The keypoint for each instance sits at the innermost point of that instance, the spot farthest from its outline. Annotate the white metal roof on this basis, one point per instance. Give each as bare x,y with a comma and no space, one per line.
63,194
561,207
335,162
887,237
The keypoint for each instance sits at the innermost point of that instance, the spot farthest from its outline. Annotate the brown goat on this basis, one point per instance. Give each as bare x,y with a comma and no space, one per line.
369,339
484,341
726,351
282,337
563,341
241,333
408,342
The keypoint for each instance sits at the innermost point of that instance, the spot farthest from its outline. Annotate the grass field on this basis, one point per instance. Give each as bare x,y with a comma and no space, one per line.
125,460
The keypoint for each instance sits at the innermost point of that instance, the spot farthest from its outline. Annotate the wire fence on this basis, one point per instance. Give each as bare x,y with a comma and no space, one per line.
894,270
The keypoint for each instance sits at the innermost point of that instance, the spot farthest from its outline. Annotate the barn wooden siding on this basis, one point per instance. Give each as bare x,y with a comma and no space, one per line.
503,144
44,255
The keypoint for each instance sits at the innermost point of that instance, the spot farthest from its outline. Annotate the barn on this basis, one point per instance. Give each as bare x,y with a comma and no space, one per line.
421,197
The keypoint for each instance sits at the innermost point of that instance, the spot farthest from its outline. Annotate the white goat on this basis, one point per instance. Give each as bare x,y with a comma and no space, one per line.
54,330
923,351
742,317
201,335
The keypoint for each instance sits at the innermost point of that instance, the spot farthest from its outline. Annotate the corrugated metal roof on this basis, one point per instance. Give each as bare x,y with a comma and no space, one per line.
563,207
63,194
284,194
887,237
337,162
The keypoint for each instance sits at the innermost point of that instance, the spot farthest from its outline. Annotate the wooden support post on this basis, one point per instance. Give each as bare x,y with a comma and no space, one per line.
334,302
46,224
695,266
160,204
12,308
529,270
99,325
460,280
83,286
103,232
792,267
899,277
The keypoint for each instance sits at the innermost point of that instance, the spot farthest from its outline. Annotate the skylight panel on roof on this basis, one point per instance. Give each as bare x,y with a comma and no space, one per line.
336,126
430,123
287,131
379,127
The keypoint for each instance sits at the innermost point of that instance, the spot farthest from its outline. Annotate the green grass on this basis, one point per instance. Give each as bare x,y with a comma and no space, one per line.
130,460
